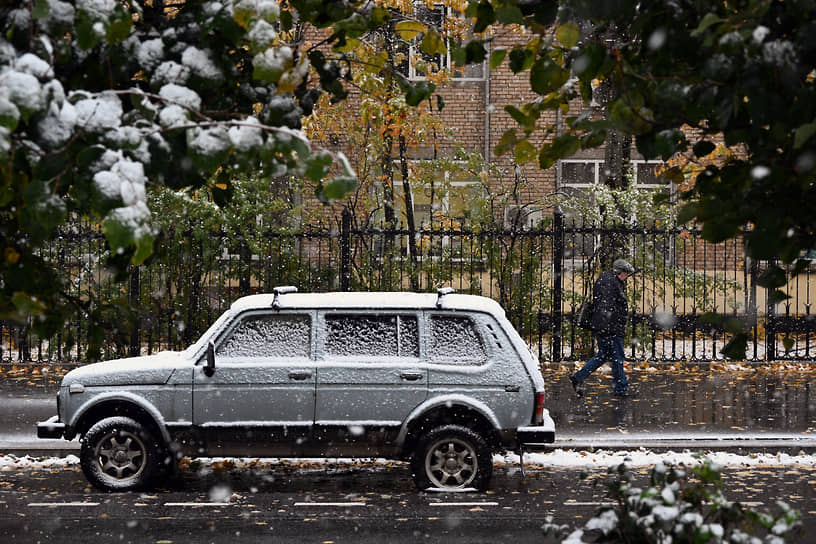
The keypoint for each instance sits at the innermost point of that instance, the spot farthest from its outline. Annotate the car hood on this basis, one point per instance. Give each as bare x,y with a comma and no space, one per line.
150,370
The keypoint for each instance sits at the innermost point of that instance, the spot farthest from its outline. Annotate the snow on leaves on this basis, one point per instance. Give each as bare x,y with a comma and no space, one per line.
166,92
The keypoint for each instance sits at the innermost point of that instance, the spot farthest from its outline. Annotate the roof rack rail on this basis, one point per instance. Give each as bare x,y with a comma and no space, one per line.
282,290
441,292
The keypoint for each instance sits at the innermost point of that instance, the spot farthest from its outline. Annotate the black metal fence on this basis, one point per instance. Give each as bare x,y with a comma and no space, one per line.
539,274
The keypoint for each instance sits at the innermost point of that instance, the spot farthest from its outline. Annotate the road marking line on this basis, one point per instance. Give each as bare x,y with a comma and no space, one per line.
339,504
463,504
198,504
44,504
591,503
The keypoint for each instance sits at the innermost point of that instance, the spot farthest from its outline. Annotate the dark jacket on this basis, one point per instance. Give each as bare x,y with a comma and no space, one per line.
610,308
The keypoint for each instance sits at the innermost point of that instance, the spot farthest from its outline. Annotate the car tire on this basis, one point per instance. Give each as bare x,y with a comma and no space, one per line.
452,457
119,454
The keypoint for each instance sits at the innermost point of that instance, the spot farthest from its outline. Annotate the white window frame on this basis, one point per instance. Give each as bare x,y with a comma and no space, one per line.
445,60
580,258
598,163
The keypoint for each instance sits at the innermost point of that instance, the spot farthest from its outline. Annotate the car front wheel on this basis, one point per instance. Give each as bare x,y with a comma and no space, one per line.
452,457
119,454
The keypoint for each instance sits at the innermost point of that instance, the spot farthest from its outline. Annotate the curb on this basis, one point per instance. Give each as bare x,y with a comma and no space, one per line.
740,445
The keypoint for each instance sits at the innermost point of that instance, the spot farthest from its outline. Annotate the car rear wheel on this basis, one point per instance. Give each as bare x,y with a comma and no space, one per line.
119,454
452,457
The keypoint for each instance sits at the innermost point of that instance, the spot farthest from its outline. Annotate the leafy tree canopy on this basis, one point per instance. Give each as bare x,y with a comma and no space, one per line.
685,75
100,98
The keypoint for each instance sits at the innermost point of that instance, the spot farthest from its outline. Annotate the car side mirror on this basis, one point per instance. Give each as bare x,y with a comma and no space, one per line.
209,368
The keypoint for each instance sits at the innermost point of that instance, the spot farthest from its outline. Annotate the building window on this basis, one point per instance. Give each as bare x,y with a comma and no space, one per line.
576,176
439,196
418,63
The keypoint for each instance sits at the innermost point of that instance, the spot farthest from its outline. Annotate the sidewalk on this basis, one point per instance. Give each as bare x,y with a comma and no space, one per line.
718,406
696,407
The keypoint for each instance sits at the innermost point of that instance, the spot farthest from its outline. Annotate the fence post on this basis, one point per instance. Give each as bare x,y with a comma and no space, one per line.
345,251
770,322
558,268
135,307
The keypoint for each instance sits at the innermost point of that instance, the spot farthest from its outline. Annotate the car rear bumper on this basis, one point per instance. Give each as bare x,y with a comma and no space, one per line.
50,428
537,437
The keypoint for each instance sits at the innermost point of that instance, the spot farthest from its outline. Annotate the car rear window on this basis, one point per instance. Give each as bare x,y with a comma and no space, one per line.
454,340
372,335
269,336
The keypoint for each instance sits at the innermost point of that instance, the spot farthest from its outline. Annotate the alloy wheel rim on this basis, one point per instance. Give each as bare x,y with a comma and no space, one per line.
451,463
121,455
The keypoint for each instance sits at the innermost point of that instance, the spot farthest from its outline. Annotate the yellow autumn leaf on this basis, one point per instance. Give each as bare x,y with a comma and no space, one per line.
408,30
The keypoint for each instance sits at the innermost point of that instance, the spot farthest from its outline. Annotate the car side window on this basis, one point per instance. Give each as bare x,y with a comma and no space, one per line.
455,340
269,336
372,335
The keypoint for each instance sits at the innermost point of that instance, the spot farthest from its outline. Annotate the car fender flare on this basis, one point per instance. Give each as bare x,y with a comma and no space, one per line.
447,401
124,396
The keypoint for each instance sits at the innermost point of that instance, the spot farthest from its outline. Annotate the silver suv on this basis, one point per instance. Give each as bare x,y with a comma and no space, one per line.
441,379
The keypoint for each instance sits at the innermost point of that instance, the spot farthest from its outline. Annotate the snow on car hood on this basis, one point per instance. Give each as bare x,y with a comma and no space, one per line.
150,370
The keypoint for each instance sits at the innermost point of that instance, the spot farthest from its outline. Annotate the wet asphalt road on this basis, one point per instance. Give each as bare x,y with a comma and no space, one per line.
358,503
336,504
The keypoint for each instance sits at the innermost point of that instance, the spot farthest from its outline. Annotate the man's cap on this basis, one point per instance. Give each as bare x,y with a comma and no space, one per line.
621,265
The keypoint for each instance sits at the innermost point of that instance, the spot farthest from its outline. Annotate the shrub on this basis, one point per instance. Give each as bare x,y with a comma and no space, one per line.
678,509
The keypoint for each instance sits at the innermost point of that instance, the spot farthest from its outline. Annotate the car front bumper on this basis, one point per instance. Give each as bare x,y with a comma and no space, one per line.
50,428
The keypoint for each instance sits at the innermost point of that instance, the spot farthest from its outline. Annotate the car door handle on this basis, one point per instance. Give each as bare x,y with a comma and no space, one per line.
300,375
411,376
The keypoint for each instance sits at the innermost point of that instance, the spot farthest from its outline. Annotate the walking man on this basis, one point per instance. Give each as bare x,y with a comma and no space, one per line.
609,316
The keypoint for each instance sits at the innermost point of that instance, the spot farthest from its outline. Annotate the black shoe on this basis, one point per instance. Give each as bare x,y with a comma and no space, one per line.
624,394
576,386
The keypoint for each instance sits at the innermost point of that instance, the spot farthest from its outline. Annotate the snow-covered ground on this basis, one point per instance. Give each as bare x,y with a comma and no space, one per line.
556,458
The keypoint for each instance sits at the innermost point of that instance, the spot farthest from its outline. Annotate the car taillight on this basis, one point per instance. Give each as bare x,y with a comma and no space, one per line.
538,413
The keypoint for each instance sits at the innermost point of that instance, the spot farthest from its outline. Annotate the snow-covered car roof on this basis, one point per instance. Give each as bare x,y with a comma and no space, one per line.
369,300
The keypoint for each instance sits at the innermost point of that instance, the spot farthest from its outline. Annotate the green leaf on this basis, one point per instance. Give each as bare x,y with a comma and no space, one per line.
418,92
86,36
408,30
736,348
27,304
483,13
777,295
561,147
144,249
317,166
709,20
119,235
703,148
433,44
338,188
589,62
497,57
41,9
476,52
507,142
687,213
521,59
773,277
517,115
630,117
119,27
524,152
803,134
547,76
568,35
509,14
712,318
733,325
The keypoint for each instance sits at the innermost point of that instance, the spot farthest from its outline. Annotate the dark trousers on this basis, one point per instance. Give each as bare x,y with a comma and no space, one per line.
610,348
